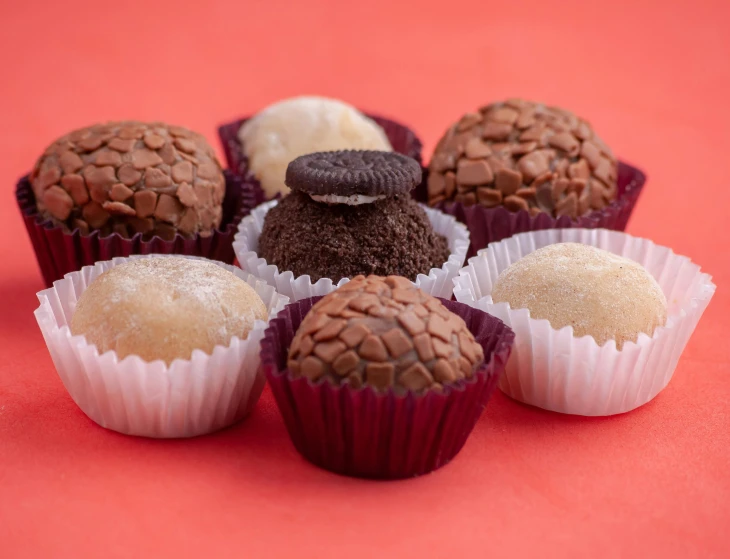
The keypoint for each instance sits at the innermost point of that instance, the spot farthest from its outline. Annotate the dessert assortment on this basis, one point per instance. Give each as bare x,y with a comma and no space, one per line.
349,253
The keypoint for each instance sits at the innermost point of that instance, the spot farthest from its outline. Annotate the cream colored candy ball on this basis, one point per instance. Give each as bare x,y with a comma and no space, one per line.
596,292
285,130
164,308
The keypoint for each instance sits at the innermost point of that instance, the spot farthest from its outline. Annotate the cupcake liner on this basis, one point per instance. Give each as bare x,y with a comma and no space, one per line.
554,370
438,282
363,433
151,399
60,252
489,225
402,138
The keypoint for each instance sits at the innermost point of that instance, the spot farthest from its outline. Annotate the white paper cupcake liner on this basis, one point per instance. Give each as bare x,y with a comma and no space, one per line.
187,398
554,370
438,282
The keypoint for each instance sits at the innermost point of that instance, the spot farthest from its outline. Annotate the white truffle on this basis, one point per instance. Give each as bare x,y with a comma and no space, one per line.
164,308
596,292
285,130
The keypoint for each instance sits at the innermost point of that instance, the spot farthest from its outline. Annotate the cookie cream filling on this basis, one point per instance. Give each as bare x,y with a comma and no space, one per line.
353,200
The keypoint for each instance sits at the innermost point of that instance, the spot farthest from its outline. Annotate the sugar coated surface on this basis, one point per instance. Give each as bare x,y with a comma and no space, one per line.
164,308
596,292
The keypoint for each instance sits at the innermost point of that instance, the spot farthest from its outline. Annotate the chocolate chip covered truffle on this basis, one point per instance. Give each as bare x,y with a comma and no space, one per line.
165,308
131,177
598,293
384,333
523,156
349,213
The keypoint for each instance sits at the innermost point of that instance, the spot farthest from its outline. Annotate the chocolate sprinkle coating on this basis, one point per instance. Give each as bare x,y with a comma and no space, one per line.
385,333
131,177
524,156
350,172
388,237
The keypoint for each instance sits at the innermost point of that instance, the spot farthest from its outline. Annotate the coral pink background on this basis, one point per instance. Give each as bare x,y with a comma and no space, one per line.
653,77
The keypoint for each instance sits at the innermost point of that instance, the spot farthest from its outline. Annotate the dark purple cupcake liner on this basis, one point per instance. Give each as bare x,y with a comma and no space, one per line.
59,252
402,138
489,225
362,433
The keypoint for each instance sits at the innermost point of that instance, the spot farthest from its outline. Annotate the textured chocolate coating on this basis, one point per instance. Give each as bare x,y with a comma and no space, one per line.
523,156
385,333
131,177
350,172
388,237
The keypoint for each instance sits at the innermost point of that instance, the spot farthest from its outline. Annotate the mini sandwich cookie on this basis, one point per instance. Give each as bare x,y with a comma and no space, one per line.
350,213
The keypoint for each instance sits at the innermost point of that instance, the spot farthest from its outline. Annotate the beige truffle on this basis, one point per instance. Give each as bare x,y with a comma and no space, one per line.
164,308
285,130
596,292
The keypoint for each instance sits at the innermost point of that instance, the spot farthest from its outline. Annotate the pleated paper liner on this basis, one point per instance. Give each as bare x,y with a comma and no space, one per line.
437,282
401,138
187,398
363,433
489,225
554,370
60,252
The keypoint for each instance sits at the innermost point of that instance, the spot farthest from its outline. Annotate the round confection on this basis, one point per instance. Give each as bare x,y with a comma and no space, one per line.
524,156
392,236
596,292
164,308
129,178
285,130
353,173
384,333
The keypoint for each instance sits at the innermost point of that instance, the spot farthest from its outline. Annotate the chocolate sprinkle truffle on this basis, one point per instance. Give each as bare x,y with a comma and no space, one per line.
523,156
131,177
598,293
384,333
361,221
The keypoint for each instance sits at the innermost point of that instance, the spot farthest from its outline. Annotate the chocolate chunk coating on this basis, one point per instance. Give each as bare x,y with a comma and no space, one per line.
524,156
131,177
350,172
388,237
384,333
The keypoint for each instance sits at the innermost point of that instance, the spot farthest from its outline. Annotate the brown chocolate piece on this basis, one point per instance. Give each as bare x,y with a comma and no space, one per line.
398,338
495,157
128,178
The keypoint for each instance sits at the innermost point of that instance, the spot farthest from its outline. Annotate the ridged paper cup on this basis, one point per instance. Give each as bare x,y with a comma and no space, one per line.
60,252
401,138
363,433
438,282
187,398
554,370
489,225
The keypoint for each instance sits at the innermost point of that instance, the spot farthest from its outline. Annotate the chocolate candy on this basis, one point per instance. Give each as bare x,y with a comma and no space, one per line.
385,333
354,228
131,177
350,172
523,156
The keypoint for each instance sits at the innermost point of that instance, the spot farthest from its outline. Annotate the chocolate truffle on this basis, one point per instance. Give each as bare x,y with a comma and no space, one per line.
285,130
384,333
523,156
350,213
164,308
131,177
598,293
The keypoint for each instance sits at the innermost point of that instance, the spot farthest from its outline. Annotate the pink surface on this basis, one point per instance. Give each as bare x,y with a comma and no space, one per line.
651,76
